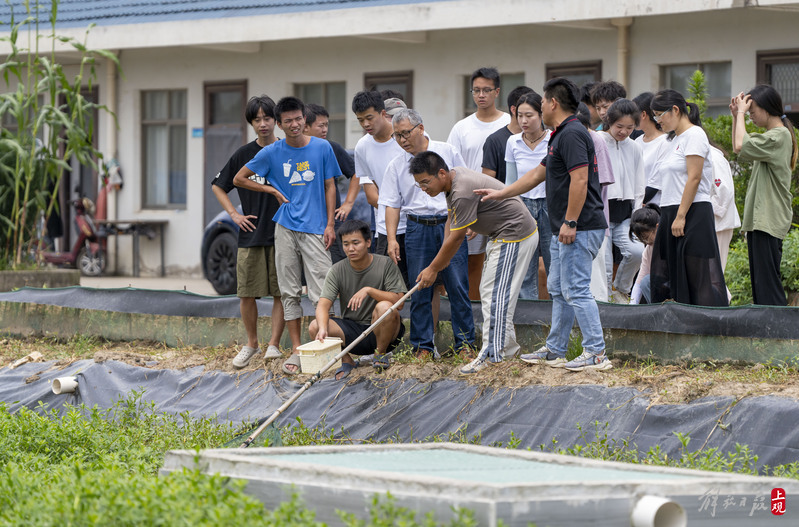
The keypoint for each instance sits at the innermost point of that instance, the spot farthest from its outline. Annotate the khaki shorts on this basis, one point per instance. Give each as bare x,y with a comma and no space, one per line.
256,272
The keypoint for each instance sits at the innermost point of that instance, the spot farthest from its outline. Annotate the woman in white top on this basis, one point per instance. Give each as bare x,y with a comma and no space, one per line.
685,257
722,197
625,195
523,153
653,147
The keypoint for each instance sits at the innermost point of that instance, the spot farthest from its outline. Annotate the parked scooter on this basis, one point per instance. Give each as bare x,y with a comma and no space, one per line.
88,251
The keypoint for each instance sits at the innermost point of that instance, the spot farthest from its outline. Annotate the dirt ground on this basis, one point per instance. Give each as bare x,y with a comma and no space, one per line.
661,383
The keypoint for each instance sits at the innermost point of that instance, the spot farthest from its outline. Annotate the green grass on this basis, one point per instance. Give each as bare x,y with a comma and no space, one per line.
94,467
91,467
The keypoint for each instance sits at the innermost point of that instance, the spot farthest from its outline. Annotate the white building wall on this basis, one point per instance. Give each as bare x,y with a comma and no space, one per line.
439,65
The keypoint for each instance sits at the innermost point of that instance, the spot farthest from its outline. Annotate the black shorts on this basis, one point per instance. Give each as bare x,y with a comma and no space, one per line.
352,330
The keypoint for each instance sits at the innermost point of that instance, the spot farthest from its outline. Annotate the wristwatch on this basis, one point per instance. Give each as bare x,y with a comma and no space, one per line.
572,224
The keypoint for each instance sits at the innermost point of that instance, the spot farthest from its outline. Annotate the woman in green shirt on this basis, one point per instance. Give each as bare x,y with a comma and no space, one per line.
767,209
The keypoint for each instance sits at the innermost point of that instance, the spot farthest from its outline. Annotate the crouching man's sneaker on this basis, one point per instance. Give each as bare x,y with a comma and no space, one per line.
589,361
474,366
543,355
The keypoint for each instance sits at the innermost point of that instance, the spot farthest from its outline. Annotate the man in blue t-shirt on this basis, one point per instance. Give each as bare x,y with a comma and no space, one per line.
300,172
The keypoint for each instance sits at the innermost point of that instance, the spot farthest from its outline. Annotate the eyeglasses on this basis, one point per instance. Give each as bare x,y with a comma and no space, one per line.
404,135
659,117
424,185
484,91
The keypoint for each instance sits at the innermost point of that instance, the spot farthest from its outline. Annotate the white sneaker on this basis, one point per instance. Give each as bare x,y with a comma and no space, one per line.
619,297
272,352
589,361
474,366
243,358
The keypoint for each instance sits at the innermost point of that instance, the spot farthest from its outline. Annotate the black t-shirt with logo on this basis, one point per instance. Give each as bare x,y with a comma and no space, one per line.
258,204
570,148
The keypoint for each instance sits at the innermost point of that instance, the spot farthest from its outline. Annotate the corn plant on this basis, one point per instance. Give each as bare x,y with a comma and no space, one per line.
45,121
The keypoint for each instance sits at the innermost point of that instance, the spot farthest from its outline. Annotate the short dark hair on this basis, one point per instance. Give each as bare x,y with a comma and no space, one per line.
584,114
391,94
585,92
486,73
256,103
364,100
288,104
516,93
607,91
622,108
312,111
427,162
353,225
564,91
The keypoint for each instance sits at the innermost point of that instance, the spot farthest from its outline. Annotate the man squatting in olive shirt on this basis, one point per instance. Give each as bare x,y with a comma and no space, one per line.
513,237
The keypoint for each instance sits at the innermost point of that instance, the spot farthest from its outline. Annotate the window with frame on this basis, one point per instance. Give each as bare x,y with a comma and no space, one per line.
331,95
718,79
164,142
780,69
577,72
399,81
507,83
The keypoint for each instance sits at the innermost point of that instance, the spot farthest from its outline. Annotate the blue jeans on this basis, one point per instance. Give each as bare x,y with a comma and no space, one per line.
646,298
569,286
422,243
538,208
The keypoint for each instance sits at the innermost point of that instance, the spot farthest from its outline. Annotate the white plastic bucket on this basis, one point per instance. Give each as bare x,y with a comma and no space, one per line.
316,354
65,385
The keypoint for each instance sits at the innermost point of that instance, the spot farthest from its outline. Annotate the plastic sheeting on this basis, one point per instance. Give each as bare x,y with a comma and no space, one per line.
747,321
370,408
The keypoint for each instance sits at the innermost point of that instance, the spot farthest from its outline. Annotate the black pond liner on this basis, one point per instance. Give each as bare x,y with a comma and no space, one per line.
409,409
405,410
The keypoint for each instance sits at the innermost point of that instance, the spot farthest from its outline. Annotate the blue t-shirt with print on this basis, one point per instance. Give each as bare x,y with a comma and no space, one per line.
299,174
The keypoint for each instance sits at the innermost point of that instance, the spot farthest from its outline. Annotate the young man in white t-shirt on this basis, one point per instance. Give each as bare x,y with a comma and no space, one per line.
373,152
468,136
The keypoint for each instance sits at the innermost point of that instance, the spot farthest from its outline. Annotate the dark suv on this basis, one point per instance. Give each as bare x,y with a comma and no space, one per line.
218,252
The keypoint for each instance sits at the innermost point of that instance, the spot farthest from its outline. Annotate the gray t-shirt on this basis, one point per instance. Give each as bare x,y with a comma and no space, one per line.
504,221
343,282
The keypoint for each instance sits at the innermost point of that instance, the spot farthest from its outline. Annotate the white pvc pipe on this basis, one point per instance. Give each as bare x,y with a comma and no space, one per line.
656,511
65,385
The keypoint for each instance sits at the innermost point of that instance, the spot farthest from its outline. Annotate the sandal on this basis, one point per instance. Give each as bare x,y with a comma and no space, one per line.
294,360
381,362
345,370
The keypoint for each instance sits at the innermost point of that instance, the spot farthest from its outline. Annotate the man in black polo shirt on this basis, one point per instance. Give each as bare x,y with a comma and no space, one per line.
578,227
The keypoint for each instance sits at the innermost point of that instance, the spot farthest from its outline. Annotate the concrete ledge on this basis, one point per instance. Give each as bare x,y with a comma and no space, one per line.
49,278
26,319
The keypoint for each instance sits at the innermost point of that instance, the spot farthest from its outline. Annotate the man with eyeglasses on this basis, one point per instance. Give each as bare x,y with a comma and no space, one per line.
513,237
424,234
468,136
